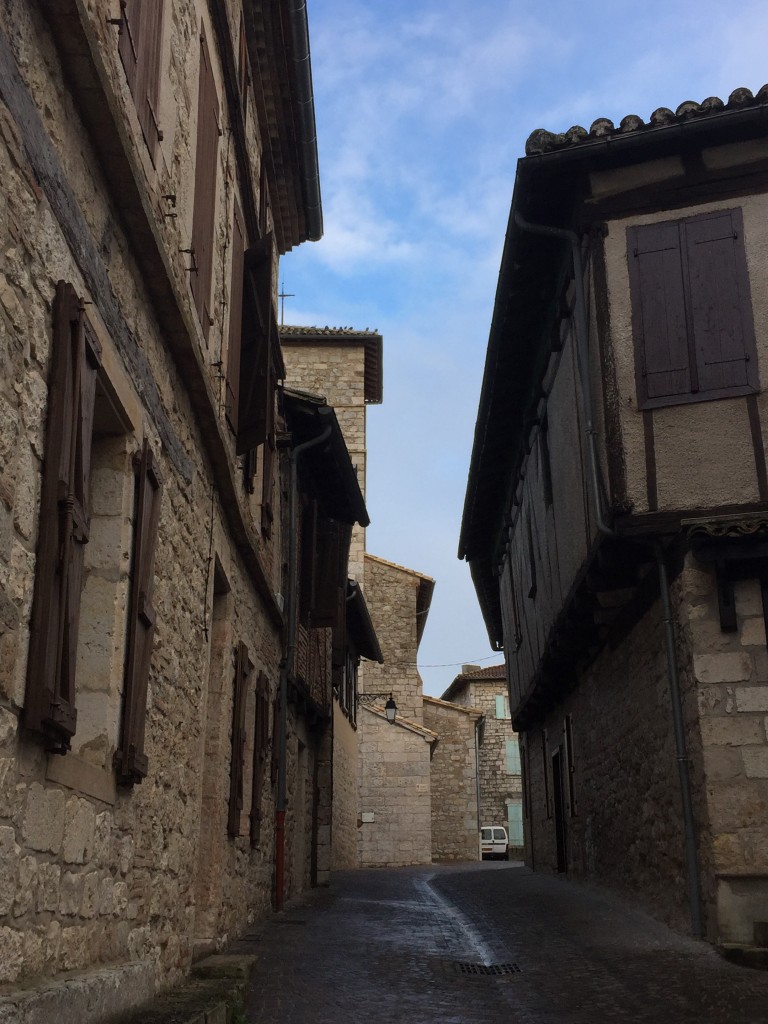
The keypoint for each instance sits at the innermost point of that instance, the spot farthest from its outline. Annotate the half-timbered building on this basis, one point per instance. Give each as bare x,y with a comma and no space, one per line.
617,507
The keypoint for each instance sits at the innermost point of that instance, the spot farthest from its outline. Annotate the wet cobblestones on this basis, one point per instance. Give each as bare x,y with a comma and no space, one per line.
388,946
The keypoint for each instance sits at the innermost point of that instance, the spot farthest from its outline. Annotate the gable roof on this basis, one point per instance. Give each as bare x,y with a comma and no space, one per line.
491,674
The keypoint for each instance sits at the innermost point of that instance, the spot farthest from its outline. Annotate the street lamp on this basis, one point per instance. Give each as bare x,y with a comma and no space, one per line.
390,708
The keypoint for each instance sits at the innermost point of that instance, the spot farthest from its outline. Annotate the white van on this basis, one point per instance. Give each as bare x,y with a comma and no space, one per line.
494,842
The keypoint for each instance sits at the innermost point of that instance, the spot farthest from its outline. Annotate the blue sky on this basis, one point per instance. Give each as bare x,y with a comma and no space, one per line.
422,111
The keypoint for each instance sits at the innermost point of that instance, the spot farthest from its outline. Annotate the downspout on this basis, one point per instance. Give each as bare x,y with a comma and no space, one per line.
477,781
582,346
287,666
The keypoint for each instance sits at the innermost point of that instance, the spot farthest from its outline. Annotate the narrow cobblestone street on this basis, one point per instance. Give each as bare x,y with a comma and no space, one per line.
414,944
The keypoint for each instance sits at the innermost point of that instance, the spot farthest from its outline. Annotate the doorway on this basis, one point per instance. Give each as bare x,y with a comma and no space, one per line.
558,800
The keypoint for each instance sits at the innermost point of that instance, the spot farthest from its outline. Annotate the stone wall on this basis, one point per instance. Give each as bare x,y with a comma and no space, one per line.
395,813
92,872
453,780
394,760
338,373
730,675
345,793
623,826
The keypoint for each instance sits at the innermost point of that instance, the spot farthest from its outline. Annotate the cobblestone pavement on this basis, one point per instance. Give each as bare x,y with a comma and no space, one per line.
412,944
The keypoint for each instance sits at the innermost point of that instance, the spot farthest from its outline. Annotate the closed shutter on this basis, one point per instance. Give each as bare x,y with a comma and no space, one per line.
242,68
235,317
512,752
721,308
330,576
205,187
307,562
691,309
130,759
139,46
128,40
257,375
238,741
64,523
515,822
658,311
267,483
260,751
500,707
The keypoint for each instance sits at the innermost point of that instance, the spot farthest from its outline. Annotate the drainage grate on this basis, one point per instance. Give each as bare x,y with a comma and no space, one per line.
466,968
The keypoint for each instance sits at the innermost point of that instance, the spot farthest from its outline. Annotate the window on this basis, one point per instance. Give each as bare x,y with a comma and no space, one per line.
502,706
89,492
208,132
568,730
139,46
691,310
515,822
512,757
236,766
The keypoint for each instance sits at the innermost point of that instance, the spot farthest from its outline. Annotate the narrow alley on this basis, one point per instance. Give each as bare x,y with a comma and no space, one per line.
477,944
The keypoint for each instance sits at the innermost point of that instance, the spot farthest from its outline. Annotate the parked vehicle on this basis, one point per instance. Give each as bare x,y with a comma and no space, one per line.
494,843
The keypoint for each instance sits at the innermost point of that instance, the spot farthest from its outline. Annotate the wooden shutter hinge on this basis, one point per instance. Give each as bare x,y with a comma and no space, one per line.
121,20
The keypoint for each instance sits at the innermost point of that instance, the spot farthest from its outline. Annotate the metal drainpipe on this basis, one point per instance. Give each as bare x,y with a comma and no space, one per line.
582,345
477,781
285,668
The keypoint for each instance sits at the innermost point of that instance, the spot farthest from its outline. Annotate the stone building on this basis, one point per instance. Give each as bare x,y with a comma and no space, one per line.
617,506
454,779
345,366
164,752
500,785
394,758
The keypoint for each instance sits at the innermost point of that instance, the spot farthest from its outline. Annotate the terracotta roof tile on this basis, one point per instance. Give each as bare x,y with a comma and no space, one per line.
543,141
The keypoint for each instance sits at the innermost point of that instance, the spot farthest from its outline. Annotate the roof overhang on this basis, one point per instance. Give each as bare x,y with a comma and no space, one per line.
277,34
328,466
359,625
371,341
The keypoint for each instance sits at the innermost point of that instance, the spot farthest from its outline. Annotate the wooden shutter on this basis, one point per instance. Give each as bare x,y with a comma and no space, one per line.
720,302
658,312
500,707
307,561
128,40
205,187
242,68
260,749
130,759
512,752
257,375
139,46
235,317
331,560
49,706
267,483
238,741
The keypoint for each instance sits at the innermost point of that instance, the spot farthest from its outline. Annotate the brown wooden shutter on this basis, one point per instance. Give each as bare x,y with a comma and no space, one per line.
256,397
720,303
260,750
49,706
128,40
235,318
267,488
238,740
658,312
307,561
242,68
130,759
205,187
332,558
139,46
